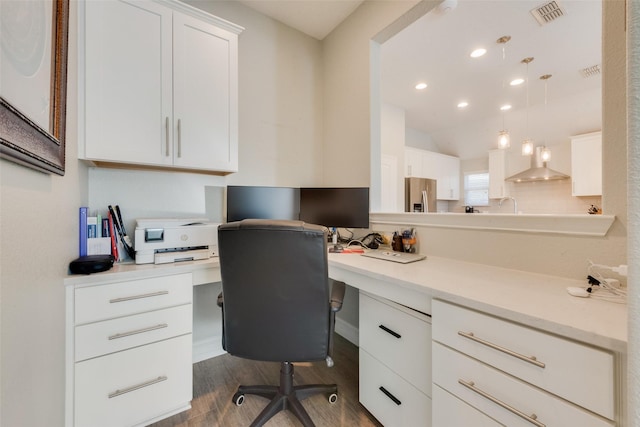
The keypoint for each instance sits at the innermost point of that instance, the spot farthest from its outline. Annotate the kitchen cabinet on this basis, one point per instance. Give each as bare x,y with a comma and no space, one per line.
427,164
586,164
158,85
518,375
498,188
129,350
395,362
413,162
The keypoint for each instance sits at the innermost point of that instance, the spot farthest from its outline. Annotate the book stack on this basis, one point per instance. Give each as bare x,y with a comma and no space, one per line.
97,235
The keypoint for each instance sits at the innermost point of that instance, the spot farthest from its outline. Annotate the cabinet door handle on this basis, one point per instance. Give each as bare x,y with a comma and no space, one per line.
179,138
529,359
137,331
132,297
167,129
390,396
533,418
389,331
120,392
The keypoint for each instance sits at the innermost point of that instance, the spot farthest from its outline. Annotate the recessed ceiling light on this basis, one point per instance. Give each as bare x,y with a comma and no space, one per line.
505,107
478,52
463,104
421,86
516,82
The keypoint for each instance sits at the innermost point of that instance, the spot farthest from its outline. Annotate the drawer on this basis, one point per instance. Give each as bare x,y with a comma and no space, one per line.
404,405
574,371
130,387
502,396
109,336
398,337
102,302
450,411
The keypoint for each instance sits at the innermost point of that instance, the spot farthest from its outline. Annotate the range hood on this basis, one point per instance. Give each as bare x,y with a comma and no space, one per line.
538,170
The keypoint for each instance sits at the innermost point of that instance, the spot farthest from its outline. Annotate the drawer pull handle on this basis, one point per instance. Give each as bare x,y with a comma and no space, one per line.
529,359
167,136
152,294
533,418
179,138
137,387
389,331
390,396
138,331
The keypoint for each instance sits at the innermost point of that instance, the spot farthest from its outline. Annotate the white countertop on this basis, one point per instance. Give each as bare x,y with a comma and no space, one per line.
535,300
132,271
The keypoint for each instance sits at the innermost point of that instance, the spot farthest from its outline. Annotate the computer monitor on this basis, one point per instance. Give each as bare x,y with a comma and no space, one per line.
244,202
345,207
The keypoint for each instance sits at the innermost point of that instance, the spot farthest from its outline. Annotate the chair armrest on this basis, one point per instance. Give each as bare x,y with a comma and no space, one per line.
337,295
220,300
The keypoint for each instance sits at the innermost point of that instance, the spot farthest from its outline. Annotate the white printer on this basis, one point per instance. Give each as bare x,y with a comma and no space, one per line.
161,241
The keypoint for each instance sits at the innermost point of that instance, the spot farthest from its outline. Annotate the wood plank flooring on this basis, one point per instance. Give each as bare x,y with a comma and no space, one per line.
216,380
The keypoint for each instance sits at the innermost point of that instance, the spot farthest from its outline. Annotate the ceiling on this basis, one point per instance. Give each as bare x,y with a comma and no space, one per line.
316,18
435,49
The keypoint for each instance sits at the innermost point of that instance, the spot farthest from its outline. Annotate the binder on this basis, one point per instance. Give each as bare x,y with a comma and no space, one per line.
82,248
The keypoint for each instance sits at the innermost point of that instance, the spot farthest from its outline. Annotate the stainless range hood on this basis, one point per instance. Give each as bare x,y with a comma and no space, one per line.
538,170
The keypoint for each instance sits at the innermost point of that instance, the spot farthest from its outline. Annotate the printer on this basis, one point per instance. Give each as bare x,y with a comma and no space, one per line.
161,241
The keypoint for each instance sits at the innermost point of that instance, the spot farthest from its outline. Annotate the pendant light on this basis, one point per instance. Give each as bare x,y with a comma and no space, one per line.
504,140
527,144
545,153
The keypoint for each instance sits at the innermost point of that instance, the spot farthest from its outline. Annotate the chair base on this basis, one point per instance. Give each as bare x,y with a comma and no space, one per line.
284,397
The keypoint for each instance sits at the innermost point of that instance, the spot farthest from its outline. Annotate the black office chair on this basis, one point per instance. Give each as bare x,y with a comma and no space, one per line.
276,305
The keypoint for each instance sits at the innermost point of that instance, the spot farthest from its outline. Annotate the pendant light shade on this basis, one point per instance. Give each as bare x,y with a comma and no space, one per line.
527,147
504,141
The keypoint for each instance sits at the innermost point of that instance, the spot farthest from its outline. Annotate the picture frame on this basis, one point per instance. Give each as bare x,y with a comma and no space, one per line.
21,139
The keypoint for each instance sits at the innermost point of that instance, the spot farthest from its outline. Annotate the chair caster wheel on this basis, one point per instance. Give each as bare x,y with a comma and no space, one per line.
238,399
333,398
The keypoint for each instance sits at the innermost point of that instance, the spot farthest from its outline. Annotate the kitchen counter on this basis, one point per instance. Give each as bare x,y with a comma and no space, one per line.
536,300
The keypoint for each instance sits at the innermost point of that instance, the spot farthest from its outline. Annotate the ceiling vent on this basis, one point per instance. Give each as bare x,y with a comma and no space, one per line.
592,71
548,12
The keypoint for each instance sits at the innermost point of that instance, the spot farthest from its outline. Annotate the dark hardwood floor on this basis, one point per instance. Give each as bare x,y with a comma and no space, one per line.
216,380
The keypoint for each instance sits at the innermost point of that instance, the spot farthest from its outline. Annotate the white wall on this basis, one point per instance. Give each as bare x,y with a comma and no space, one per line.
38,239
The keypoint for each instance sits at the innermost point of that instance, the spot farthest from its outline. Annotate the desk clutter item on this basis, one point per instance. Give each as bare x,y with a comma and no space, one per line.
401,257
103,235
91,264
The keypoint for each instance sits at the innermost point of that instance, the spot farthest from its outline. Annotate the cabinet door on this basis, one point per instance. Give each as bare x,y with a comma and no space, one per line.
446,169
205,90
497,174
586,164
127,82
413,163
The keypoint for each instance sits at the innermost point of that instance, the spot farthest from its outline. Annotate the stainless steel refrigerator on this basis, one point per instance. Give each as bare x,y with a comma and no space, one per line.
420,195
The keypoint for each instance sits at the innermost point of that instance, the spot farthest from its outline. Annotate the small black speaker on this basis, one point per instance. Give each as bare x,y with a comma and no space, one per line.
91,264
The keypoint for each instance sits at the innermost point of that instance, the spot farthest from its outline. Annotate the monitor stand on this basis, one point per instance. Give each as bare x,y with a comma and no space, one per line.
336,248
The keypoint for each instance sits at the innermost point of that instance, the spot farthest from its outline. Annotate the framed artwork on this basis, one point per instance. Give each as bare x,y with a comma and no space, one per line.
33,83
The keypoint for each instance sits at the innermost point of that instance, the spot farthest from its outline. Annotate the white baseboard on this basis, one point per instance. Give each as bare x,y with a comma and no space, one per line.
206,349
347,330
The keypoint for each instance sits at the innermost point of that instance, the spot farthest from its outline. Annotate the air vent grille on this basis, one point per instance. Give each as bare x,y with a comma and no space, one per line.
594,70
548,12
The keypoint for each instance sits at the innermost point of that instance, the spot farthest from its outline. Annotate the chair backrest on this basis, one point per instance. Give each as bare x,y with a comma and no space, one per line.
276,290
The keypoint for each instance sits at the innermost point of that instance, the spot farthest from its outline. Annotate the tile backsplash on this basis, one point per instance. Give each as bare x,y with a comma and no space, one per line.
542,197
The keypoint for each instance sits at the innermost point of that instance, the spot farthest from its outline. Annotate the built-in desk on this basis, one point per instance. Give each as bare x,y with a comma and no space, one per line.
417,299
506,344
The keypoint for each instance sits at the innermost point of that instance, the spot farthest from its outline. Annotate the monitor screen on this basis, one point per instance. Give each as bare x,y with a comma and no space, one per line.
244,202
335,207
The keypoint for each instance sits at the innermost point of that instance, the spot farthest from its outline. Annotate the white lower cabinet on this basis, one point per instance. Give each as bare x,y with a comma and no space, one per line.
129,351
451,411
395,362
517,375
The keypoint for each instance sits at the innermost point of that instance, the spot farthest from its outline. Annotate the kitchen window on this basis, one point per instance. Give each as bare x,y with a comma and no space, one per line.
476,188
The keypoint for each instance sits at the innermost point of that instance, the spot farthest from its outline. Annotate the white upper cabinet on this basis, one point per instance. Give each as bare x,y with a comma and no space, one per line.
428,164
158,86
497,174
586,164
